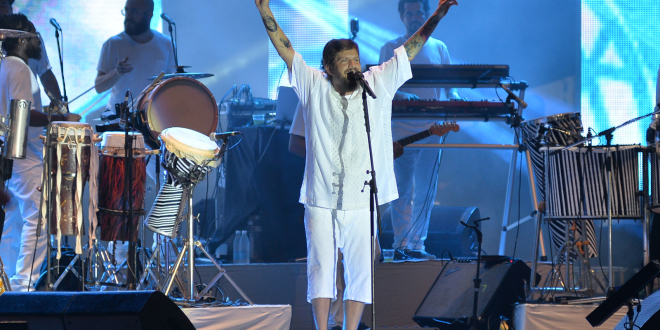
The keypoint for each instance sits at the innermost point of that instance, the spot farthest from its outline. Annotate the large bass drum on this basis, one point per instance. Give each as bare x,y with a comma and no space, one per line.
176,102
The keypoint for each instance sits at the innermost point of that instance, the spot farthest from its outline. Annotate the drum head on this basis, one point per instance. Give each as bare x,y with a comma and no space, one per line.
178,102
186,143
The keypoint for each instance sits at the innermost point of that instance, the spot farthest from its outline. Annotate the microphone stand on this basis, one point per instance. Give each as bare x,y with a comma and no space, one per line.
61,56
179,69
127,198
474,320
373,196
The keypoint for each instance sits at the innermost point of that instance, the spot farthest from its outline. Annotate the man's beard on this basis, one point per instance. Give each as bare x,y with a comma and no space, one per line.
137,27
349,85
34,53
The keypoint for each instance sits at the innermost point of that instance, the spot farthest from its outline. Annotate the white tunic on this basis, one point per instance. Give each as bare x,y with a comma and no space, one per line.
337,153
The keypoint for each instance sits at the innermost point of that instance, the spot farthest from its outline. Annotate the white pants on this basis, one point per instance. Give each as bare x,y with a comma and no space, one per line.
23,212
416,174
328,230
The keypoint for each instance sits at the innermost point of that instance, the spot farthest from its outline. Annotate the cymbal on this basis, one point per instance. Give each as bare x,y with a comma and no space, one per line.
193,75
6,33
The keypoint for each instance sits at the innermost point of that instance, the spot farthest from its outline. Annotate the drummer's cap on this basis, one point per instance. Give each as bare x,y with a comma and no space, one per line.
14,22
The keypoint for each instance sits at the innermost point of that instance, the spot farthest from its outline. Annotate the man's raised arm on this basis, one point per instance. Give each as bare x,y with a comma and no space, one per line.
277,37
417,40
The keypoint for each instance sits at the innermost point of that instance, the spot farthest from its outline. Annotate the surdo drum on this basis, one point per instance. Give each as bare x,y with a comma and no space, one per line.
176,102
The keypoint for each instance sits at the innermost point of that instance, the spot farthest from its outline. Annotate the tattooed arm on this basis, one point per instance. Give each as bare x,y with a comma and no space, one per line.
417,40
277,37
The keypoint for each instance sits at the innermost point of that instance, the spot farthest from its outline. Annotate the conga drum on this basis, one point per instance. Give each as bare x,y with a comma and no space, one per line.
187,157
113,203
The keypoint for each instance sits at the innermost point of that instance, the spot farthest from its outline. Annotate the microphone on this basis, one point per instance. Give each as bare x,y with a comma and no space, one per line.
124,110
359,77
355,28
223,136
522,103
53,22
167,18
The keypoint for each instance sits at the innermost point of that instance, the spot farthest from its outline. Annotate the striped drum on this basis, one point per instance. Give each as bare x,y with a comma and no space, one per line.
187,157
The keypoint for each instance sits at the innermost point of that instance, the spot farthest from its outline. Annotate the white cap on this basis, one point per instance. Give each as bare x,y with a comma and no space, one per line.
244,232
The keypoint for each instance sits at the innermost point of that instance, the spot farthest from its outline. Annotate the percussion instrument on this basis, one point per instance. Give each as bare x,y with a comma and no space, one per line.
175,102
577,183
560,130
654,159
113,214
69,148
187,157
17,129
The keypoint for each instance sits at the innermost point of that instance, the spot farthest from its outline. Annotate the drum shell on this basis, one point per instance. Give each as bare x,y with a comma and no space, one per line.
176,102
67,189
112,181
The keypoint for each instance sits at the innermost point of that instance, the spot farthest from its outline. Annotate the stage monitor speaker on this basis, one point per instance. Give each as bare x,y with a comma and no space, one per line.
448,304
146,310
627,291
445,231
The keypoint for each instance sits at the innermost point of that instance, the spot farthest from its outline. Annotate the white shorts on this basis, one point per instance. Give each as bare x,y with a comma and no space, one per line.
327,230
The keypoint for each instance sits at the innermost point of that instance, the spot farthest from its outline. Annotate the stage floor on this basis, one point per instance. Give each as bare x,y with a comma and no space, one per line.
400,289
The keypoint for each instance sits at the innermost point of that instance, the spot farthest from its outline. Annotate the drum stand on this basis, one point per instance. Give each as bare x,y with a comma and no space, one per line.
161,269
587,274
189,245
100,265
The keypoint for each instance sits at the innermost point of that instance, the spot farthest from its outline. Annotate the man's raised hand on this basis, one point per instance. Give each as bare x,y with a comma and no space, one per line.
444,5
276,35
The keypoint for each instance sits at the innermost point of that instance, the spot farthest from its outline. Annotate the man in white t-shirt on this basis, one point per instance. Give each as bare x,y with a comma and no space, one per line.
416,169
337,158
18,82
128,59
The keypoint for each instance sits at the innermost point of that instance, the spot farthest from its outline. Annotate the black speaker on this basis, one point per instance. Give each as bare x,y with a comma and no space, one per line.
445,231
147,310
448,305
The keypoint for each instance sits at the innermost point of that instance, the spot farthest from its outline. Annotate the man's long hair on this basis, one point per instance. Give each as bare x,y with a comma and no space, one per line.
425,6
13,22
332,48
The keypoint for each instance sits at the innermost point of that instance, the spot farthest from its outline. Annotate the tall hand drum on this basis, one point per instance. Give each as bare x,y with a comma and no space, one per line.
187,156
113,209
69,147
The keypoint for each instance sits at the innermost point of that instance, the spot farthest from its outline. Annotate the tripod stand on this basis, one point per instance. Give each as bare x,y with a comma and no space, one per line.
189,245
